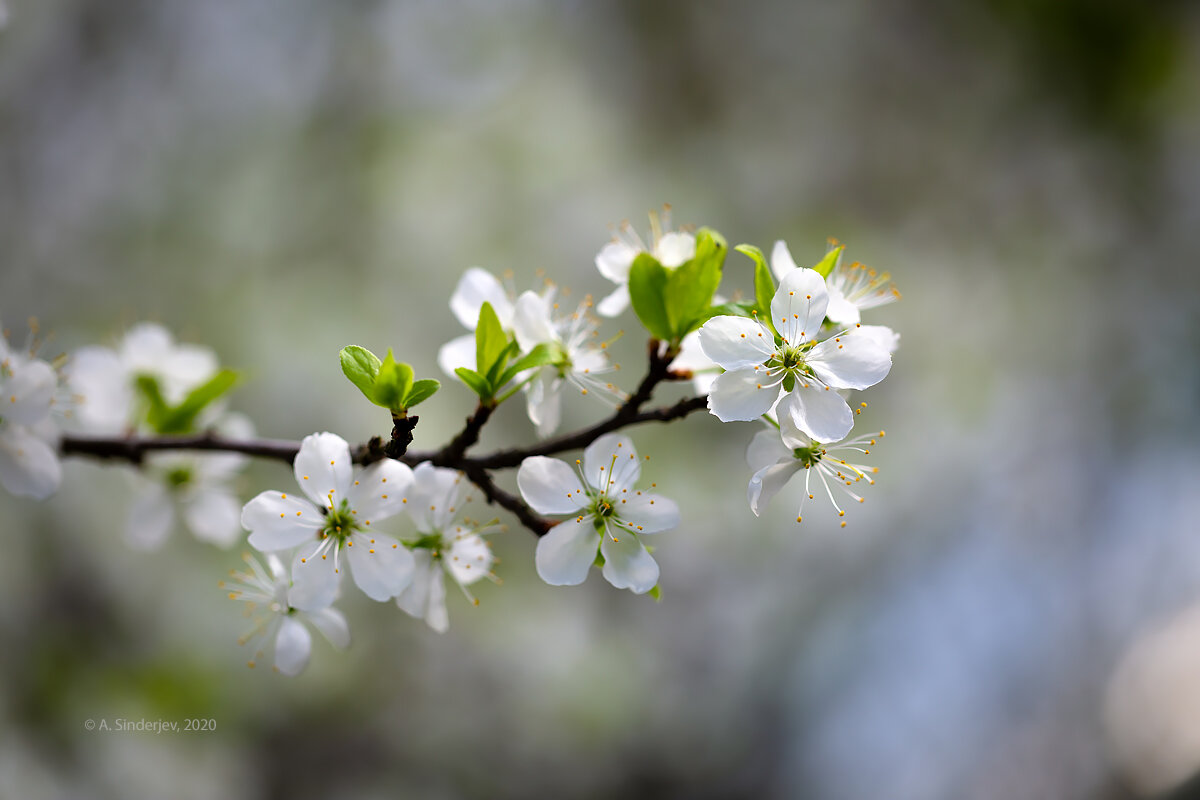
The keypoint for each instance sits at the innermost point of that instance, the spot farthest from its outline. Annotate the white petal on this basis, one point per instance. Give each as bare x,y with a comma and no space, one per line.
691,355
293,645
840,309
567,552
614,303
543,403
100,379
881,335
323,466
414,598
550,486
767,482
435,611
457,353
615,259
27,394
531,321
150,518
315,578
739,396
627,564
798,308
186,367
766,448
379,490
332,625
782,262
476,287
468,558
380,565
213,514
434,492
28,466
611,464
736,342
675,249
817,411
277,521
146,347
648,513
850,361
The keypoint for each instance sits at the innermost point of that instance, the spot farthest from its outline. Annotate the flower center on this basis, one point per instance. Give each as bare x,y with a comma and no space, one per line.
809,456
178,477
340,522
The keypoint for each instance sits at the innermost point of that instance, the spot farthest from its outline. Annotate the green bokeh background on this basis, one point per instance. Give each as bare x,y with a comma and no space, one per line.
280,178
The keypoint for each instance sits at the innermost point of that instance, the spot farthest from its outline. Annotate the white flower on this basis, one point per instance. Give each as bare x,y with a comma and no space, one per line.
338,526
774,464
191,487
476,287
275,618
851,288
579,362
757,366
106,379
449,545
692,359
609,514
615,259
29,465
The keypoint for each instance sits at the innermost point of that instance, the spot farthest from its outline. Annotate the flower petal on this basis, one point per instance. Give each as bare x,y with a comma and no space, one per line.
840,309
881,335
815,410
380,489
184,368
550,486
615,303
782,262
414,598
213,514
798,308
543,404
150,518
435,611
766,448
315,577
476,287
29,392
99,377
323,466
28,466
565,554
615,260
468,558
740,395
611,464
532,324
766,482
332,625
380,565
293,645
648,513
627,564
675,249
277,521
850,361
736,342
433,496
457,353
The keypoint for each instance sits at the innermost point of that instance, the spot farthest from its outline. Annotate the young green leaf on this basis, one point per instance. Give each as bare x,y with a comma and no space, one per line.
392,383
421,390
497,368
764,282
539,356
831,259
491,341
182,418
361,366
476,382
647,282
690,288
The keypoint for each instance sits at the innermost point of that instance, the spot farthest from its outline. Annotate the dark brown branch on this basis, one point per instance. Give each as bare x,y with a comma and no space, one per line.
540,526
135,448
453,452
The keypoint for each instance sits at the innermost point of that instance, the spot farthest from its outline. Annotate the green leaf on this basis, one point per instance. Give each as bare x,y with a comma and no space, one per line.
392,384
690,288
728,310
361,366
497,368
421,390
477,383
831,259
539,356
764,282
491,341
647,282
656,593
182,418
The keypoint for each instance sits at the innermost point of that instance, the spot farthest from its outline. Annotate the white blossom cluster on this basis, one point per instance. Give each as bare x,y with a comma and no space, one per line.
789,360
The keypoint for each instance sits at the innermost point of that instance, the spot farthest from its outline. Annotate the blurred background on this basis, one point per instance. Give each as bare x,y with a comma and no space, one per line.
1013,613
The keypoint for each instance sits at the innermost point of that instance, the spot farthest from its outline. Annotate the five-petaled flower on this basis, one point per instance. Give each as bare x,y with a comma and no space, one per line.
610,514
760,364
339,525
